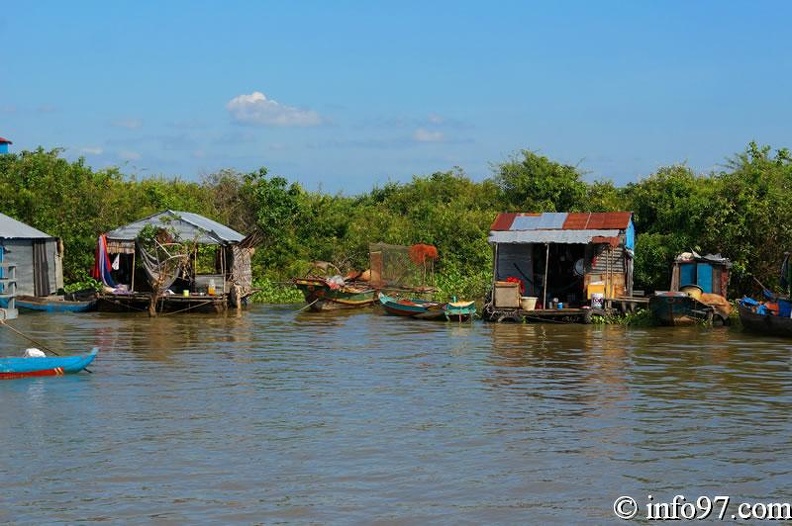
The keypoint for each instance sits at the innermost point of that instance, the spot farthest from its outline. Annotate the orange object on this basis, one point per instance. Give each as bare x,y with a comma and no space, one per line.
420,252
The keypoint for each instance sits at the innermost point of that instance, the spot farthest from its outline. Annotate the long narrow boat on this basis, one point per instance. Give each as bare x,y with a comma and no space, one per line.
757,318
54,304
322,294
411,307
426,309
20,367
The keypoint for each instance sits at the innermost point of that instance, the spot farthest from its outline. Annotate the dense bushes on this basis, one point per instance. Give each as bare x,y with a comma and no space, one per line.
744,212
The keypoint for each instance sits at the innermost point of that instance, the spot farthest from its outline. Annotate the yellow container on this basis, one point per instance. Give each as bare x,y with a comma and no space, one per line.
596,287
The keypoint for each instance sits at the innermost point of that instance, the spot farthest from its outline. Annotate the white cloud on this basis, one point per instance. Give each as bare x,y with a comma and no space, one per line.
257,109
91,150
424,135
436,119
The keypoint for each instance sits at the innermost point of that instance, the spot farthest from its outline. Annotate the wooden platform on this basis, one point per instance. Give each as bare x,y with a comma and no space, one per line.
140,302
610,306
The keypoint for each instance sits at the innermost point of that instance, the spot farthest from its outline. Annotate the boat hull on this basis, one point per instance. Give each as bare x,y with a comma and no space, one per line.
321,296
427,310
460,311
767,324
679,309
21,367
53,304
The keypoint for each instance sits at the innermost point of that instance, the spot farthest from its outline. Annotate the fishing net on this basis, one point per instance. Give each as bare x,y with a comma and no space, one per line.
399,266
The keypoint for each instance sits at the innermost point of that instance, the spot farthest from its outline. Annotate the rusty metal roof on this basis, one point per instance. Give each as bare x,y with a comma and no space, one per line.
562,221
560,227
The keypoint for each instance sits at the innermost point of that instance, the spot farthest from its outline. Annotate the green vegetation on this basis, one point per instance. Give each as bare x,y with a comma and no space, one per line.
744,212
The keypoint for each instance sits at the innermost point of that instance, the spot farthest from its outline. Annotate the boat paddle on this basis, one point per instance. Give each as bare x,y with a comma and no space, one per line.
38,343
307,306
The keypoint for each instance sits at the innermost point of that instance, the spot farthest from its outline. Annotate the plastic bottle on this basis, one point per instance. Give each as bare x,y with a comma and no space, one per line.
211,287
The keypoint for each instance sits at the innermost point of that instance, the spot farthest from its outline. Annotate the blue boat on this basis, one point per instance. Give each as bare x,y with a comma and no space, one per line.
55,304
20,367
427,310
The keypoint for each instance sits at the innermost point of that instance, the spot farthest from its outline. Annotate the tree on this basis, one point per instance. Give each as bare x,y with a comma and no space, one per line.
534,183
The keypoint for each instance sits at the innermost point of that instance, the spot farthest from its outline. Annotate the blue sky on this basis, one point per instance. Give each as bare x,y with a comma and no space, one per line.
343,96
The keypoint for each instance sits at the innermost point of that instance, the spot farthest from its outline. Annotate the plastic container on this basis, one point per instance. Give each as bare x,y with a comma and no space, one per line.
597,300
211,290
528,302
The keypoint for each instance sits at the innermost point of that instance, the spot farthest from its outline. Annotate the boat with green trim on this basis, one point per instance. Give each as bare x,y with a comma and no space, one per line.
327,294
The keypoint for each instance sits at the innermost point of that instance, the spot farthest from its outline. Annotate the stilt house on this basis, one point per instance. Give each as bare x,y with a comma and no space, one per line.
566,258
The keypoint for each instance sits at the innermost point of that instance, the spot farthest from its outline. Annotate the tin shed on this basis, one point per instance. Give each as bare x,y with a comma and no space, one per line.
567,258
38,257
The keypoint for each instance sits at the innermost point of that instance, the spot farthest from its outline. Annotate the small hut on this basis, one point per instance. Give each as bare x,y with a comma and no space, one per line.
173,261
4,143
710,273
560,261
37,256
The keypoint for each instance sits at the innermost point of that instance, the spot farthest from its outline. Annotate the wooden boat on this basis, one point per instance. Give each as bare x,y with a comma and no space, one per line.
426,309
20,367
55,304
697,293
326,294
771,319
460,310
677,308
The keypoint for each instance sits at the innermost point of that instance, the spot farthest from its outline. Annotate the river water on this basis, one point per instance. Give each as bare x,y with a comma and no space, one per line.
275,416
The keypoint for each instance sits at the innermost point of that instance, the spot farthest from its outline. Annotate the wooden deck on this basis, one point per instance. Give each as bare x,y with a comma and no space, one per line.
140,301
611,306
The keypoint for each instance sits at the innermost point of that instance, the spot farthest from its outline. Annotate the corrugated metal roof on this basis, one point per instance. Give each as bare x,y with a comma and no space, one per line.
3,140
185,226
561,220
545,221
10,228
550,236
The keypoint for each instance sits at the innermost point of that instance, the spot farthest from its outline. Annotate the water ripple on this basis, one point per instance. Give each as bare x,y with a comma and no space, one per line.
281,416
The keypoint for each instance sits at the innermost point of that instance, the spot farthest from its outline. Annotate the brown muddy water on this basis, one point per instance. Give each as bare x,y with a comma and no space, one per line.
277,416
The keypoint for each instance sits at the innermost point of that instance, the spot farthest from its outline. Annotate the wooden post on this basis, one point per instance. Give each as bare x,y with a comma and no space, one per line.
547,266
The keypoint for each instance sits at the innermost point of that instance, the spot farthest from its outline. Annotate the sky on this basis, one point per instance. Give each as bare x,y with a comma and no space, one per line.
346,96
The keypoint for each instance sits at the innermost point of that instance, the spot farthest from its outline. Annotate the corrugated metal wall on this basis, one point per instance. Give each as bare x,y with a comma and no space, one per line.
517,260
20,252
611,267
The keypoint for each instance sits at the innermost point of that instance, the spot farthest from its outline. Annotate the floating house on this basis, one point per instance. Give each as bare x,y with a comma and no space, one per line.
697,291
4,143
173,261
710,273
559,265
37,256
